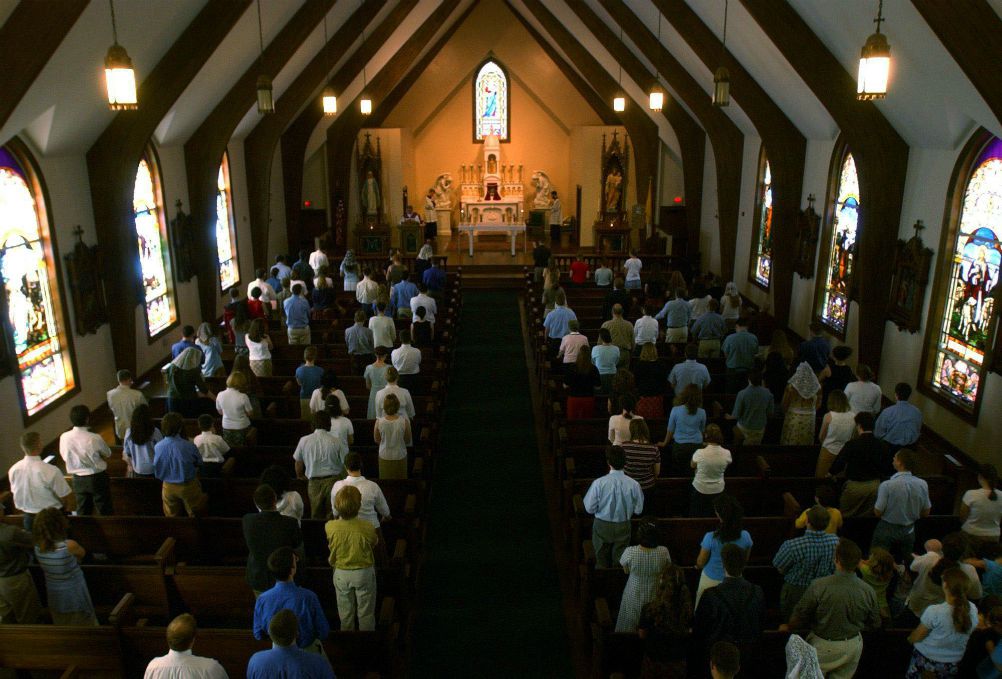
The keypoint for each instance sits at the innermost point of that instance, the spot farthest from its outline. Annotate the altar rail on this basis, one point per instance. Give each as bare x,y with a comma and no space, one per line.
378,262
652,263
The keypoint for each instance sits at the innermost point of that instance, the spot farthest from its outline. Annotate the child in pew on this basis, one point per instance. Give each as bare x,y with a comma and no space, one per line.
211,446
879,571
827,497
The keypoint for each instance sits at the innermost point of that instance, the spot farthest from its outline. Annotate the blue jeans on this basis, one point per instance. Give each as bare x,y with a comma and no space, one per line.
633,284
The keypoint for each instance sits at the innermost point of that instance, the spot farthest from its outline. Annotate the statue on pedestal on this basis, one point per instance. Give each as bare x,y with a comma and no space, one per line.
613,190
370,196
541,182
443,191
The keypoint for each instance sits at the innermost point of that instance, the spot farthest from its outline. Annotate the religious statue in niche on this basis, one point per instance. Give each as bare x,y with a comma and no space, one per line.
909,280
808,227
370,183
541,183
182,233
443,191
615,161
86,286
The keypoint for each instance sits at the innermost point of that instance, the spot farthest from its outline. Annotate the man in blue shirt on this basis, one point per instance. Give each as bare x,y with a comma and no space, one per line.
901,501
676,314
753,407
556,323
709,329
899,425
284,270
274,281
285,659
297,316
434,278
302,271
804,559
401,296
361,349
689,371
310,377
286,594
175,463
187,341
740,349
815,350
613,499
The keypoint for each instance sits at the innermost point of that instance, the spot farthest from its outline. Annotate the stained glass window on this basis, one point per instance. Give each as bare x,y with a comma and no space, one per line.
762,260
226,233
490,102
154,254
966,324
841,248
27,265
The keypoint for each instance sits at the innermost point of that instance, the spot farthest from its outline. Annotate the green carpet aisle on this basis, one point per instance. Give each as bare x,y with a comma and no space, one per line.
490,602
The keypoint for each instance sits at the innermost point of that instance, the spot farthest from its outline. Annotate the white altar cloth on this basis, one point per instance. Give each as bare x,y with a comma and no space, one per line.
511,229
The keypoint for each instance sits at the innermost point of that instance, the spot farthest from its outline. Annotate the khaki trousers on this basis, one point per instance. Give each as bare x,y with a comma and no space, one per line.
709,348
838,659
319,491
858,498
747,437
356,595
19,600
183,496
299,335
393,469
676,335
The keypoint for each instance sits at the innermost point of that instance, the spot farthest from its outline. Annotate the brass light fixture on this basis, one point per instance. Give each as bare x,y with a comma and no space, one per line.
619,99
364,102
722,77
656,98
265,95
119,76
874,63
328,97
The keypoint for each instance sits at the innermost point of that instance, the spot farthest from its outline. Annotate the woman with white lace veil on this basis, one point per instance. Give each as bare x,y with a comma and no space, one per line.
800,405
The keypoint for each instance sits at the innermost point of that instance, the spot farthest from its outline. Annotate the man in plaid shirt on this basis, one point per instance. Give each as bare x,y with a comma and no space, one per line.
802,560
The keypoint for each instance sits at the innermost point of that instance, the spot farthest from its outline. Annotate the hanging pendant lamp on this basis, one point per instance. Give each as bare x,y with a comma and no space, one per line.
119,76
265,94
874,63
722,77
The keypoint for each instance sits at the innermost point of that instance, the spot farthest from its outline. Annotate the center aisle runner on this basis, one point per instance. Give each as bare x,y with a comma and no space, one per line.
490,602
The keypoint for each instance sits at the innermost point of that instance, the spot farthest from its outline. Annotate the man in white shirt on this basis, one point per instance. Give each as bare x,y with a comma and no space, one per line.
267,292
425,300
374,505
403,395
122,400
366,291
84,453
319,458
384,331
632,267
36,484
556,217
645,330
179,661
407,360
318,257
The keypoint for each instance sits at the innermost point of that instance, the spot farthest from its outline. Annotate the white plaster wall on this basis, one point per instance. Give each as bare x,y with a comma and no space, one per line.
278,238
709,227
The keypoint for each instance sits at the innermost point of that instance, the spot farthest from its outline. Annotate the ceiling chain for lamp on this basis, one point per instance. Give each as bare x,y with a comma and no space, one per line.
656,98
619,100
874,63
364,103
265,95
119,76
328,97
722,77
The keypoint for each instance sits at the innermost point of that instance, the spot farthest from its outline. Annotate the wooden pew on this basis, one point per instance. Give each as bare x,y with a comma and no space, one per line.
63,649
108,586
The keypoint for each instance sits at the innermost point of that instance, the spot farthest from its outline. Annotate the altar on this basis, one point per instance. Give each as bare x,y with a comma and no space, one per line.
471,229
491,194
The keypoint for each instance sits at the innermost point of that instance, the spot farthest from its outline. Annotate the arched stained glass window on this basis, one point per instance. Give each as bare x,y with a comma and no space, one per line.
226,233
761,271
154,253
964,327
841,248
490,102
36,319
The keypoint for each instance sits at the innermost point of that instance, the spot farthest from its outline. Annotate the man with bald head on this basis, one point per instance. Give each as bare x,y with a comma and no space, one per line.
179,662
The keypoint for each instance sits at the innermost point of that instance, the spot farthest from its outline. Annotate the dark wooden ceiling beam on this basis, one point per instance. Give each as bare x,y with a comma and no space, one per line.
204,149
642,130
341,135
28,39
785,146
259,147
971,32
725,137
881,160
691,137
111,164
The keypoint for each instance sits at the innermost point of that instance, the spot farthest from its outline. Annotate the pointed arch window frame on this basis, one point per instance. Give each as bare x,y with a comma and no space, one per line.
43,212
490,59
963,172
224,170
152,159
839,156
757,224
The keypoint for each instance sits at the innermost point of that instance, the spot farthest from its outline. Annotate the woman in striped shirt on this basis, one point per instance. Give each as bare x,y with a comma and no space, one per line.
59,557
643,461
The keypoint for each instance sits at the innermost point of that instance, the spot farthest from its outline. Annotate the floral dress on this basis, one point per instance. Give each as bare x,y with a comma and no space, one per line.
644,566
